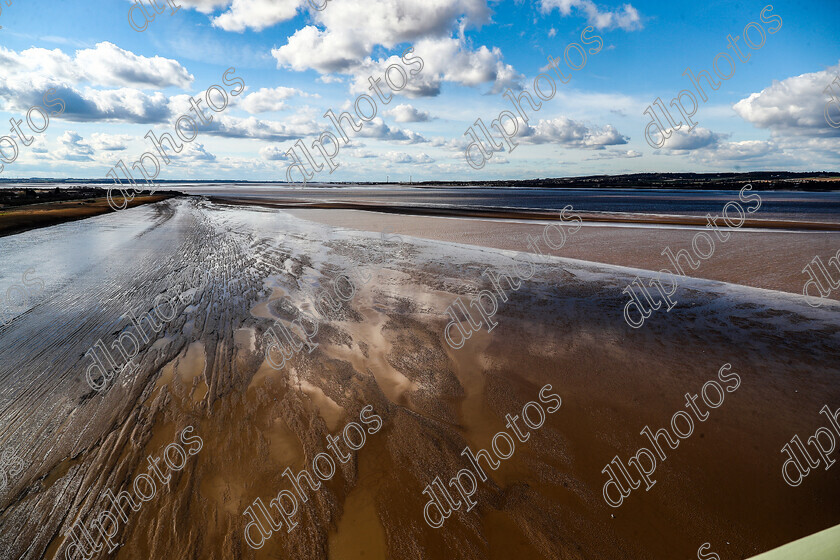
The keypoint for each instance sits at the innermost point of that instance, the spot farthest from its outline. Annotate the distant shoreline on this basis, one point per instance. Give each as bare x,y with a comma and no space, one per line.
30,205
817,181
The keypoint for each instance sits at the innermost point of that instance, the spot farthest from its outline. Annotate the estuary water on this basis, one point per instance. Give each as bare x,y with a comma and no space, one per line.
788,205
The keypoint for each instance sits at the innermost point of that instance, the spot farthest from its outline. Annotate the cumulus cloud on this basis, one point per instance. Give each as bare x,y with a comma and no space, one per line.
72,147
109,142
312,48
108,65
377,129
407,113
451,60
795,105
269,99
126,105
682,140
327,79
452,144
796,152
743,150
234,127
444,60
272,153
37,63
104,65
818,149
571,133
392,22
308,130
627,18
26,76
711,149
345,35
755,154
204,6
192,153
354,150
257,14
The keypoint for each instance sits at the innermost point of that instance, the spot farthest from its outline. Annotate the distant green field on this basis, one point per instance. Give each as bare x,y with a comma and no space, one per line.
824,545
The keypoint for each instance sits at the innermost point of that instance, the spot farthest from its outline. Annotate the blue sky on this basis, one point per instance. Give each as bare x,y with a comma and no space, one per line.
121,83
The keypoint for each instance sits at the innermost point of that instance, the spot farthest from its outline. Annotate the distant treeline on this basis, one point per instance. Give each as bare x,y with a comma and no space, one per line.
19,196
761,180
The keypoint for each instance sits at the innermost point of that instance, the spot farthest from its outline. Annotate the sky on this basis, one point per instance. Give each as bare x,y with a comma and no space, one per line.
299,59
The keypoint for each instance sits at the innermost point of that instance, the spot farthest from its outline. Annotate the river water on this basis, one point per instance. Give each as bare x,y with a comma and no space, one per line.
811,206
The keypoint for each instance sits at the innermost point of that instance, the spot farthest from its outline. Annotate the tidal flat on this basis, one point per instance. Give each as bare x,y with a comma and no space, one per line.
385,348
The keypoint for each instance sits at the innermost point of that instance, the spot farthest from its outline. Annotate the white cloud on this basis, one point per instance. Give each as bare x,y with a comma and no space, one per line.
108,65
203,6
444,60
73,148
614,154
272,153
257,14
567,132
779,153
234,127
26,76
793,106
452,144
682,140
377,128
110,142
407,113
755,154
345,34
392,22
327,79
269,99
124,104
193,153
451,60
311,48
403,158
627,18
104,65
354,150
743,150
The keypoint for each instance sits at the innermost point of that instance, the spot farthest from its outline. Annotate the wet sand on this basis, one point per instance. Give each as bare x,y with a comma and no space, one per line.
385,348
770,259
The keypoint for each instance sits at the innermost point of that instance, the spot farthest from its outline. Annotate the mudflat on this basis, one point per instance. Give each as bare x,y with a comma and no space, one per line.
770,258
385,347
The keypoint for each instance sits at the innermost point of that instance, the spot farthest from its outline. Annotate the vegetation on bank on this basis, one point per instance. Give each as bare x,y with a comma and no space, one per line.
25,209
